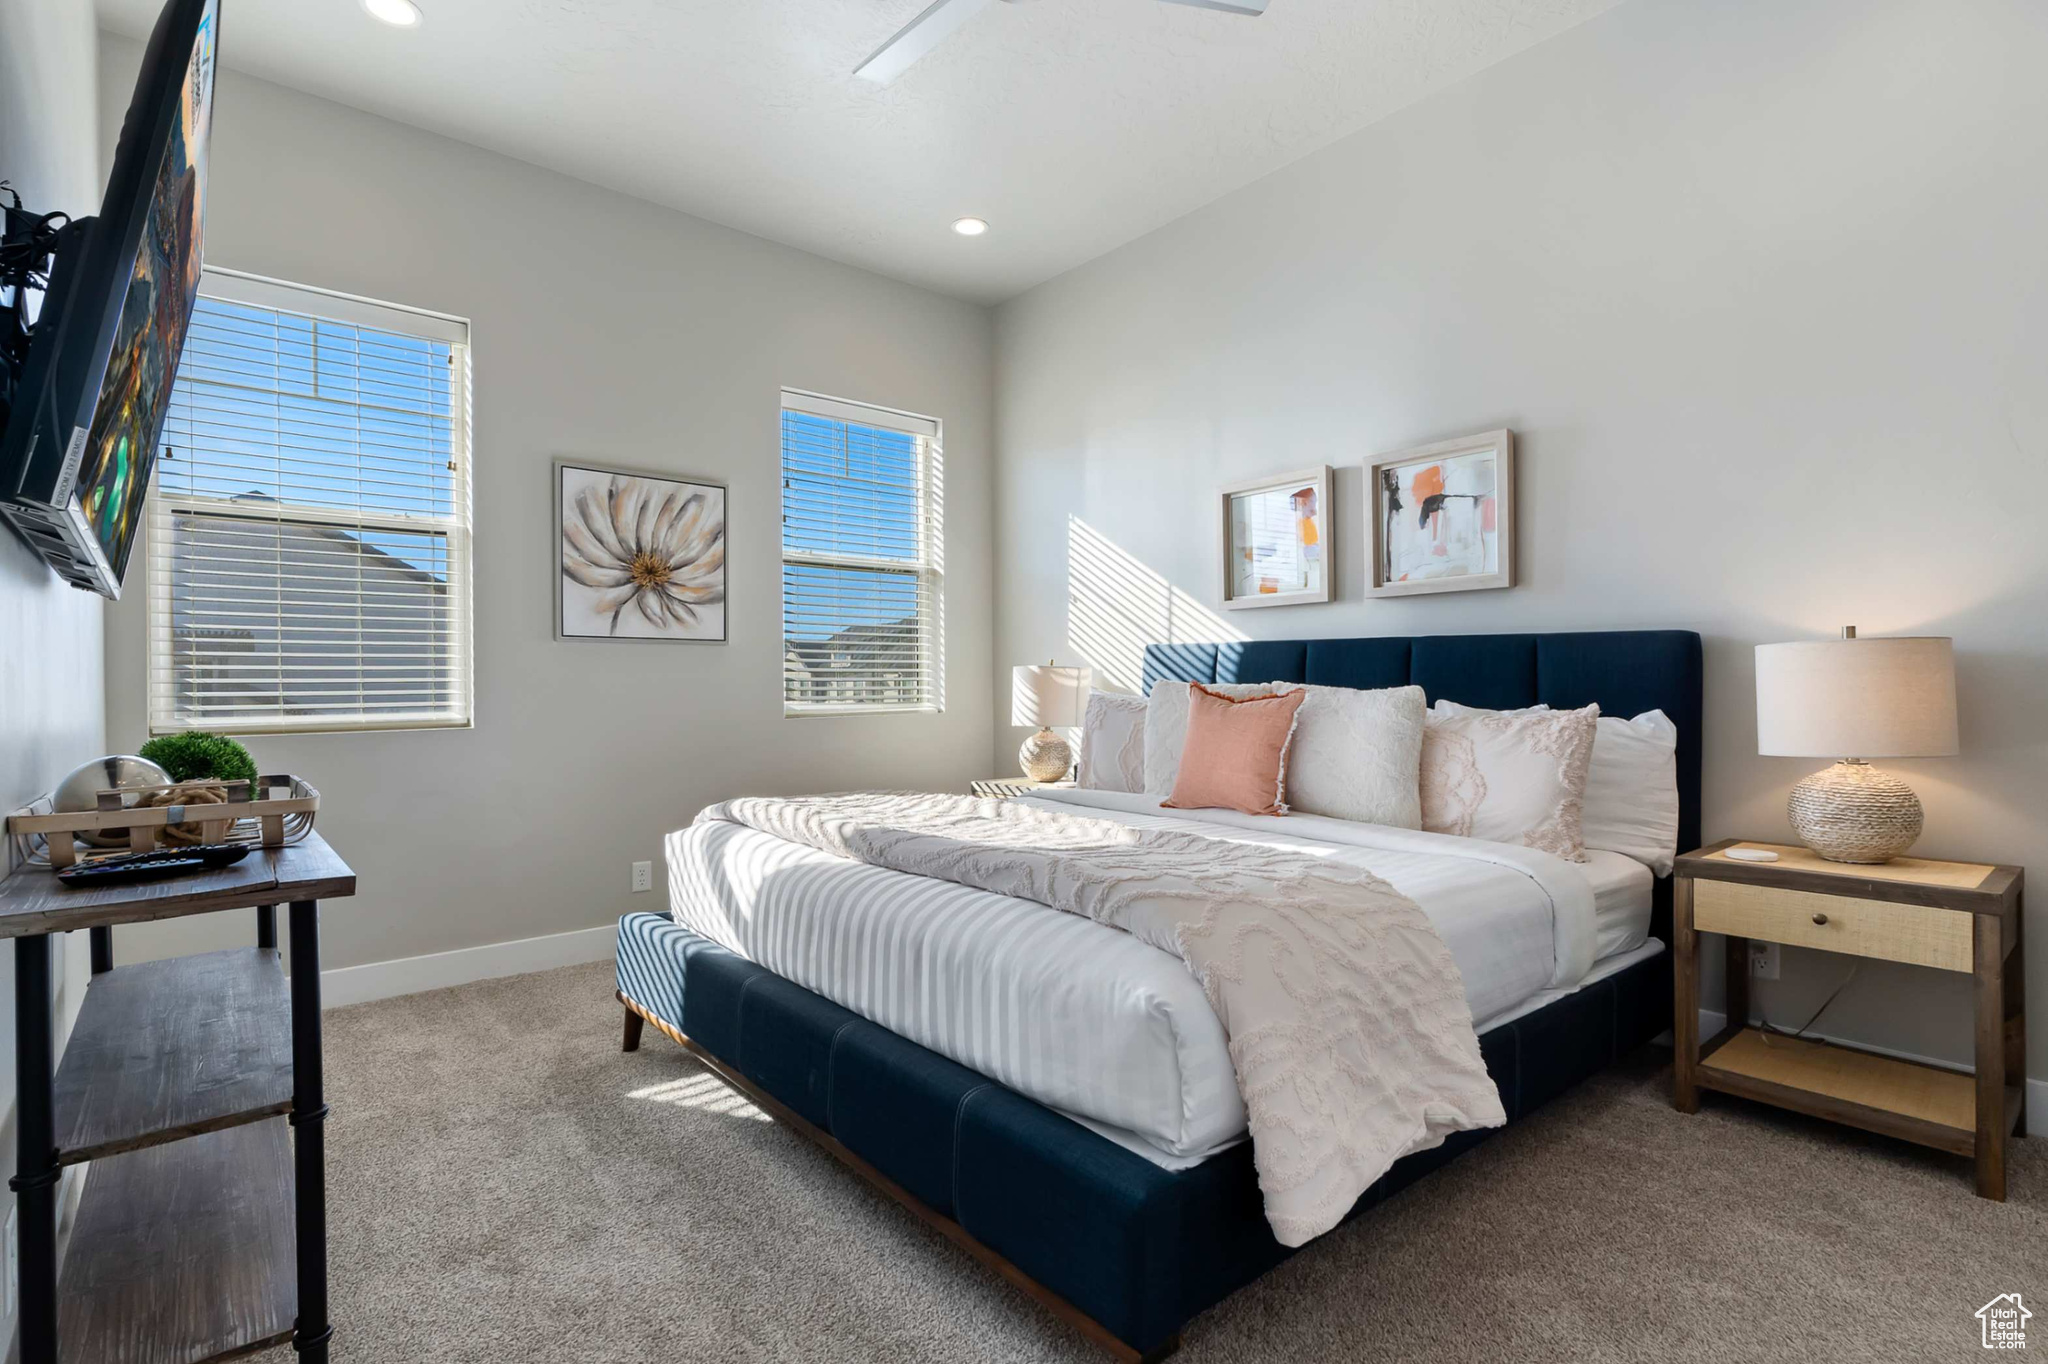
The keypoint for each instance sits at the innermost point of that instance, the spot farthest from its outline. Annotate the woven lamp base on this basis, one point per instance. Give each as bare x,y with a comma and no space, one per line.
1852,812
1045,756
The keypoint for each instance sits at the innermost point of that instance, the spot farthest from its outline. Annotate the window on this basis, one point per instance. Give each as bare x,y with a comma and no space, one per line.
863,562
309,532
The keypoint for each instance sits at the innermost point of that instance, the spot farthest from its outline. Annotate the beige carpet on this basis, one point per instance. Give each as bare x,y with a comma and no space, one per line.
507,1186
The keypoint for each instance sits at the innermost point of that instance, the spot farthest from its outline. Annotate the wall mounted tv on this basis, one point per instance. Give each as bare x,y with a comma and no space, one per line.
88,408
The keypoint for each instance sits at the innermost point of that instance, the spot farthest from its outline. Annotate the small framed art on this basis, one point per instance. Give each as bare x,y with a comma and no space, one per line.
638,556
1276,540
1443,516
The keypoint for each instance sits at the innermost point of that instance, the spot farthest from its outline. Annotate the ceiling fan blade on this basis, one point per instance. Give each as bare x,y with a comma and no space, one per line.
918,37
1251,7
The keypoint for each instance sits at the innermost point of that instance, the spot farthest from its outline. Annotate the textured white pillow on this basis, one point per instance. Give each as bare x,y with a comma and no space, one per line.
1509,776
1113,743
1356,754
1631,789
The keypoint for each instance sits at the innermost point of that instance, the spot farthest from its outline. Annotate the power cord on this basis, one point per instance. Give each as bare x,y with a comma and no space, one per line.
1770,1029
26,246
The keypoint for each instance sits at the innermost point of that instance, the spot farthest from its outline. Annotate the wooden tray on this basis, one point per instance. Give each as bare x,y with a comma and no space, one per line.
46,836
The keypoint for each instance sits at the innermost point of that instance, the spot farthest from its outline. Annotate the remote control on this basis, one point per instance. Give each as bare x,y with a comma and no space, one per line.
149,866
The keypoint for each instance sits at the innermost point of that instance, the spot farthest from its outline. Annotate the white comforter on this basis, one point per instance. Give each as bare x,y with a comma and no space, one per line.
1448,876
1346,1017
1083,1018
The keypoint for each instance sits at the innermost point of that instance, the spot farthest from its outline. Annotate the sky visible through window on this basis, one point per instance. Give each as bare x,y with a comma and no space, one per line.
851,492
327,416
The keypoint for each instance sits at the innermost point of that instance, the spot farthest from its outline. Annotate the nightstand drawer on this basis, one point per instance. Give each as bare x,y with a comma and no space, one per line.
1835,923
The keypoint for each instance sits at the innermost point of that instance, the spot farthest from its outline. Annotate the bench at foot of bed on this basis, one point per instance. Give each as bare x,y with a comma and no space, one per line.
1122,1250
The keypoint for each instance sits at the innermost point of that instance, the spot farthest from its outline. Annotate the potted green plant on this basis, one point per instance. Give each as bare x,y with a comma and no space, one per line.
196,755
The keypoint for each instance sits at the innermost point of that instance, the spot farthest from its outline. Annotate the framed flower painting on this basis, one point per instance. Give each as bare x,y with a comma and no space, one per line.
1443,516
638,556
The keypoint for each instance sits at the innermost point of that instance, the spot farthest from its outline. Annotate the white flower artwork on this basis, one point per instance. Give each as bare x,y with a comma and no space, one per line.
638,556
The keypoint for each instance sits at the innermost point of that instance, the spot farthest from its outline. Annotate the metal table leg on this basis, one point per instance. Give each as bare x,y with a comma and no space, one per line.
266,927
309,1114
36,1172
102,949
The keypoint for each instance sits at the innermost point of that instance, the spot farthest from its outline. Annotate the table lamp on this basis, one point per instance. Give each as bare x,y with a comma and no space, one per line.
1046,695
1855,699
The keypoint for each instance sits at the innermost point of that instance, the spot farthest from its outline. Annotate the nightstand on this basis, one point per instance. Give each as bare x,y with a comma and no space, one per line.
1951,916
1002,788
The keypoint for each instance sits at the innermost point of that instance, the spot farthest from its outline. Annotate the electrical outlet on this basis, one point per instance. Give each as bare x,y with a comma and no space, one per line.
13,1264
1763,960
643,876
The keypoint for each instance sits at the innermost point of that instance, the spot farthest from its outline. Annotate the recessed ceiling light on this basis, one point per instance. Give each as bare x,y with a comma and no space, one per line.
969,227
397,13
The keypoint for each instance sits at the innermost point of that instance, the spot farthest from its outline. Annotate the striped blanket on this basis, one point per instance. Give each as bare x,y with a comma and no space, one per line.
1348,1027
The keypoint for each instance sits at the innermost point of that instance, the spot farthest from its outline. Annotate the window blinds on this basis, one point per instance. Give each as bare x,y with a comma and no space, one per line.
863,513
309,559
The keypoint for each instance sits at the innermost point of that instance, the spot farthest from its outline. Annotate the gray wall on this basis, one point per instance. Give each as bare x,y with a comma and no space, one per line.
1761,288
611,331
50,677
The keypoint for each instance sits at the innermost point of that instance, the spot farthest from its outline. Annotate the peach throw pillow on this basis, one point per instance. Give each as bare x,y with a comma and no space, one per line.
1235,757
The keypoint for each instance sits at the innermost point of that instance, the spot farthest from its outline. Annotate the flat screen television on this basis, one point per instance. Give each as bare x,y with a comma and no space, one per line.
81,437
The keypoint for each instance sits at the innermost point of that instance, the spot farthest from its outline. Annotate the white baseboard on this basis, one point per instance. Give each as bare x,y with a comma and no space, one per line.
1712,1021
411,975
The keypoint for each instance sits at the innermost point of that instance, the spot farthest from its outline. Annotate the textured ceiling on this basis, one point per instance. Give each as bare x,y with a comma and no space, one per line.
1073,126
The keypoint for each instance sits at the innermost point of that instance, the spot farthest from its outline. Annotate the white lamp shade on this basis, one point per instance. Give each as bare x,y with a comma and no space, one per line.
1045,695
1856,698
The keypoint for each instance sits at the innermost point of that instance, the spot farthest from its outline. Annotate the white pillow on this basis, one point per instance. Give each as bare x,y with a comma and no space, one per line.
1356,754
1113,743
1632,791
1509,776
1632,788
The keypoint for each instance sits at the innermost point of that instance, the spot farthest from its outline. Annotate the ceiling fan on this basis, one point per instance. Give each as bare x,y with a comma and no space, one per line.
938,22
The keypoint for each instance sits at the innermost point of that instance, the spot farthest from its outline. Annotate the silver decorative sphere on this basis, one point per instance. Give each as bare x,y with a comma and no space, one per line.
1045,756
80,791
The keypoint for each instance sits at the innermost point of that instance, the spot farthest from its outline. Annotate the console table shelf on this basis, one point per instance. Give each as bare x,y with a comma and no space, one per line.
194,1088
182,1252
170,1049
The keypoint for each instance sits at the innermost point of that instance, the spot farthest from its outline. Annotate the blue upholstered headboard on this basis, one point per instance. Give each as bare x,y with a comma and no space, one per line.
1626,671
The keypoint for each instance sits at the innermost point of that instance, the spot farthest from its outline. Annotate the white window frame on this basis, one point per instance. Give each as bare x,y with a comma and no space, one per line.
235,286
931,563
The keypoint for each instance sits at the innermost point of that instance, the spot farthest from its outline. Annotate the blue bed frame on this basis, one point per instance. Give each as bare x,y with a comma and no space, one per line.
1121,1249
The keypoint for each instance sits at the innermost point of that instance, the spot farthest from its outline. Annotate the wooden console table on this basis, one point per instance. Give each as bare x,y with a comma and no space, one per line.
194,1087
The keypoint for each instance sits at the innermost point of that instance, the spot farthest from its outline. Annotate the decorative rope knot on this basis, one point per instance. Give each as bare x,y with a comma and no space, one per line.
185,794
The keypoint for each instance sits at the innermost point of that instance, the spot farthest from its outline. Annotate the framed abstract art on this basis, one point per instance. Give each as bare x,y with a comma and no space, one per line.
1443,516
1276,540
638,556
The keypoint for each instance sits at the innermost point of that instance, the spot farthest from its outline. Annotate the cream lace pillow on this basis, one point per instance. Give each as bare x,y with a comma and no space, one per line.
1631,786
1509,776
1113,743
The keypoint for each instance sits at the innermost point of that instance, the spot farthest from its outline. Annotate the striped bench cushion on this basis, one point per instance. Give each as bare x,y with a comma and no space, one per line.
651,964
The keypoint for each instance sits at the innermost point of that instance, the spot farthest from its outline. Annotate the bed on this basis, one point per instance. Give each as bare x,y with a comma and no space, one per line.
1110,1178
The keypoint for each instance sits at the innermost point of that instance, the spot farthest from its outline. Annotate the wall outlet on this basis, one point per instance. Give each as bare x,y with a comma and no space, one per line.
1763,960
643,876
13,1264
